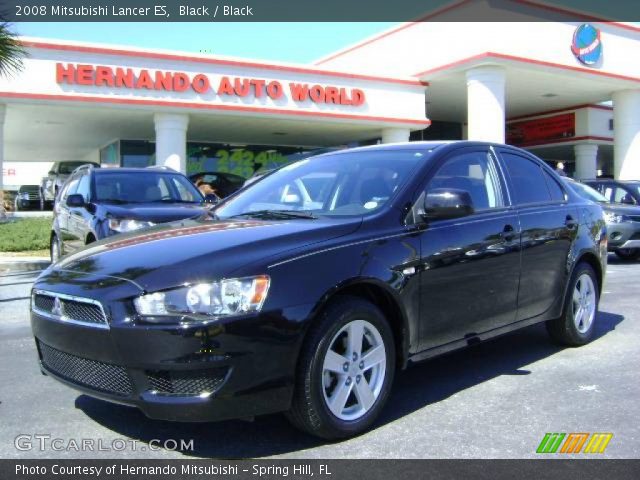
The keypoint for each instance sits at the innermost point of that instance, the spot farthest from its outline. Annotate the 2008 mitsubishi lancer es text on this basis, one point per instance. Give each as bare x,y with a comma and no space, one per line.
308,290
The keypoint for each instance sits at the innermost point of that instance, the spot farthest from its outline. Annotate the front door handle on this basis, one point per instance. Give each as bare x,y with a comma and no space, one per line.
508,233
570,222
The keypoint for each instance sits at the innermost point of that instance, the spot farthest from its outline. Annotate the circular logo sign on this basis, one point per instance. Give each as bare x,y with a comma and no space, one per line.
586,44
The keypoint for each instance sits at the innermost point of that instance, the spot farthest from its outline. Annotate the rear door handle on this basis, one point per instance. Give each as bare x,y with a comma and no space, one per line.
570,223
508,233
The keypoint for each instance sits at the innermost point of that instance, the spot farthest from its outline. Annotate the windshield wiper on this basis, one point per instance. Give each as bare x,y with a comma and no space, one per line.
277,214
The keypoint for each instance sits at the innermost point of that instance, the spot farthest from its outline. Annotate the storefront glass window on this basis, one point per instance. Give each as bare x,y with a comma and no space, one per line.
137,153
239,160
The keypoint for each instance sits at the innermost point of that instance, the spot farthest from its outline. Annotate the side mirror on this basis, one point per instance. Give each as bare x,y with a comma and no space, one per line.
627,200
211,198
75,200
51,172
446,203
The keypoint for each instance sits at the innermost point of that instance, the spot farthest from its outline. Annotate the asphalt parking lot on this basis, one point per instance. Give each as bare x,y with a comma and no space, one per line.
496,400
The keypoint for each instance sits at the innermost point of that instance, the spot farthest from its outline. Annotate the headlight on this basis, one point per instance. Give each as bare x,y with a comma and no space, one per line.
127,225
227,297
611,217
24,196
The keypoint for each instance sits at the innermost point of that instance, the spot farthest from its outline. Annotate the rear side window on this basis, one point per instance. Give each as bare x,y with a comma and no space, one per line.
557,194
527,178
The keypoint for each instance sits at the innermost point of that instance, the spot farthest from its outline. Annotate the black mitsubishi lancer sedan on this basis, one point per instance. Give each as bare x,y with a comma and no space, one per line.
306,292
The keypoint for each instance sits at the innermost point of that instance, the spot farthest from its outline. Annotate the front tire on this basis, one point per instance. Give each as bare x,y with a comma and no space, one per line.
628,253
576,326
345,371
54,248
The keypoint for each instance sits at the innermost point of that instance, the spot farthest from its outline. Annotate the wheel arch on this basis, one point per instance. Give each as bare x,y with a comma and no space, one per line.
592,260
383,297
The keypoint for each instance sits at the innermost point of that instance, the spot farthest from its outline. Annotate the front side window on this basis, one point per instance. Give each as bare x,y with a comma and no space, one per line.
69,189
527,179
621,195
476,174
346,184
84,187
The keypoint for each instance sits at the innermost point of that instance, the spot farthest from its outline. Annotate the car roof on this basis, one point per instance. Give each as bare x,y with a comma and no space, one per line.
107,171
611,180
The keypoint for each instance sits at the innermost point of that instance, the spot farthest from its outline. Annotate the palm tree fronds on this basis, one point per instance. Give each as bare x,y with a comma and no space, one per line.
11,51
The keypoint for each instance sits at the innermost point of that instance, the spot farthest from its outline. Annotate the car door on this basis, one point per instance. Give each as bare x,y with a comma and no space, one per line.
80,217
549,226
470,266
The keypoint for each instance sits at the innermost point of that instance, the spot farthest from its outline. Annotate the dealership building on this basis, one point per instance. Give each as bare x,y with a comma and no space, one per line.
568,91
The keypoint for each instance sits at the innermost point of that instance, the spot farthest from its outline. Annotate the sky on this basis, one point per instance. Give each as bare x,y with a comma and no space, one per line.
285,42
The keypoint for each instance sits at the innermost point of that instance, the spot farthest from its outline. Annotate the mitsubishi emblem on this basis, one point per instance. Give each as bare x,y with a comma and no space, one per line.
57,307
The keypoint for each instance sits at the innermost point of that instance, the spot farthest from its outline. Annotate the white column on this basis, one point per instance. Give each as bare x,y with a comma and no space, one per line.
626,135
3,110
395,135
586,161
171,140
485,104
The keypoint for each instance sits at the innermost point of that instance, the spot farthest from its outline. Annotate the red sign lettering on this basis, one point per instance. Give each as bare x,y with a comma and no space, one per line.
159,80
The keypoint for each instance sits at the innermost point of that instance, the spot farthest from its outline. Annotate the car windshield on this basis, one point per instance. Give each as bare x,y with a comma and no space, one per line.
587,192
344,184
145,187
66,168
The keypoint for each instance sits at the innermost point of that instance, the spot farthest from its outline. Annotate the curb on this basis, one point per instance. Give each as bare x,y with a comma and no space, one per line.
23,264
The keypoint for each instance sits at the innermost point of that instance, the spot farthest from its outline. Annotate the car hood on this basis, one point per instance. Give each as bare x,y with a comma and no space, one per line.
620,209
156,212
169,255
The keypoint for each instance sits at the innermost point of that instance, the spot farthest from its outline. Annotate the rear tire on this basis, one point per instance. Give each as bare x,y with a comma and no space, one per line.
628,253
339,391
576,326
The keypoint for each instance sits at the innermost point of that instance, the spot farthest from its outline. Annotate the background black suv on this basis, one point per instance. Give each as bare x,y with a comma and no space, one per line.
617,191
96,203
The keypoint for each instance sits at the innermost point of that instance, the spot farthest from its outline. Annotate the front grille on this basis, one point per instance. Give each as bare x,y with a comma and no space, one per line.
635,236
634,218
82,312
44,303
95,375
186,383
71,308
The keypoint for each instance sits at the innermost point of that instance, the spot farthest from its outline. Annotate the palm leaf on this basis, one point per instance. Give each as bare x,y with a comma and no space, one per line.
11,51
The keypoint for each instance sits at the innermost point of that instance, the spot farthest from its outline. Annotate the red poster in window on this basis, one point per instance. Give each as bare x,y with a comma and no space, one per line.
541,130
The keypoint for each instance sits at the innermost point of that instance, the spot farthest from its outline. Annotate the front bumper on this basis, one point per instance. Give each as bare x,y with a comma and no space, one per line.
23,203
623,235
232,368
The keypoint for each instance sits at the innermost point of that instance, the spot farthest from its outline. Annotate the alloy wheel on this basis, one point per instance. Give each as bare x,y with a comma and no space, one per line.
353,371
584,303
